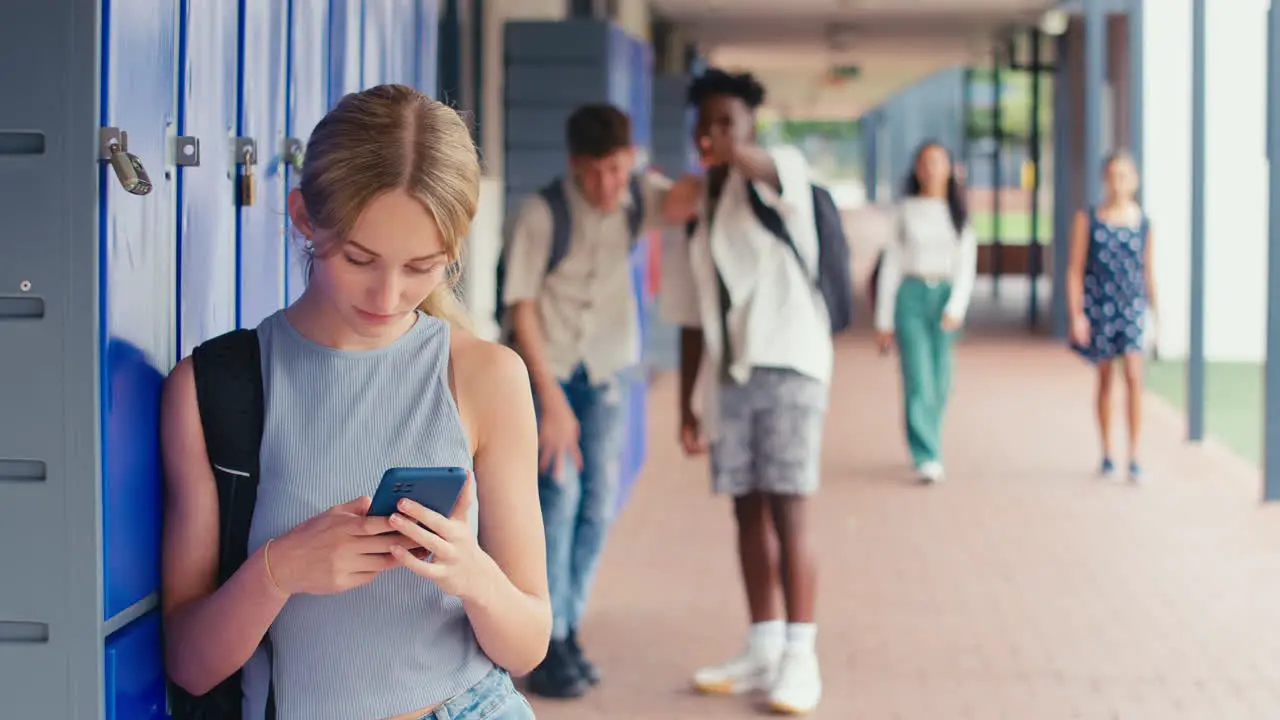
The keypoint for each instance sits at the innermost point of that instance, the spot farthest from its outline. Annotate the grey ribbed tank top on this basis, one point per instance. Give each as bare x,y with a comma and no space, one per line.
335,421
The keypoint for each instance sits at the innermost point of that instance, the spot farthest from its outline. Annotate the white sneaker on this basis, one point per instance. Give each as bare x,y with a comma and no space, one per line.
752,671
799,686
931,471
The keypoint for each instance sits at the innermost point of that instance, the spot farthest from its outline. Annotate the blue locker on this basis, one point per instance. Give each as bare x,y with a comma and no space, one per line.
133,671
390,43
670,147
634,87
641,105
308,101
262,259
428,44
136,293
620,68
346,43
636,389
207,110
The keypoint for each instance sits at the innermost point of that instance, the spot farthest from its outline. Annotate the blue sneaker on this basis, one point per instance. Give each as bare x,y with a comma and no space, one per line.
1135,471
1107,468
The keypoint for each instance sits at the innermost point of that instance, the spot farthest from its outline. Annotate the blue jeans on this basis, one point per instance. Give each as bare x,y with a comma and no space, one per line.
493,698
578,505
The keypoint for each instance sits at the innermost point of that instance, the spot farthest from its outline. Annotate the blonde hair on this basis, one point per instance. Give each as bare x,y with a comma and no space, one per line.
393,137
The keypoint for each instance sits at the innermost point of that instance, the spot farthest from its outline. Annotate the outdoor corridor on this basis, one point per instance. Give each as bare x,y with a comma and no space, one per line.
1023,587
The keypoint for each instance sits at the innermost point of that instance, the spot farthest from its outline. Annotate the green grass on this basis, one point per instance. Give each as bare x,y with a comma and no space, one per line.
1233,401
1015,227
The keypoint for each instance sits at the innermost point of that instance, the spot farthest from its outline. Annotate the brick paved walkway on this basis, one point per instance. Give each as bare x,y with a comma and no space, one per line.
1023,588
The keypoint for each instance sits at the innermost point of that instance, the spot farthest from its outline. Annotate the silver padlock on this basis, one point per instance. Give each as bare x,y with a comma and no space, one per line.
129,171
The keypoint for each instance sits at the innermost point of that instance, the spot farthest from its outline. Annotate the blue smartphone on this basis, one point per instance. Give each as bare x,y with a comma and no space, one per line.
437,488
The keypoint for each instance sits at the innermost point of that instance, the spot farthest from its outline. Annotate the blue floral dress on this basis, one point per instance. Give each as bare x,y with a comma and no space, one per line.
1115,288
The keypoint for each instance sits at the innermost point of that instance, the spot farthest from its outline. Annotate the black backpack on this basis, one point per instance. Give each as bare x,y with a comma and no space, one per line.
834,278
562,233
228,377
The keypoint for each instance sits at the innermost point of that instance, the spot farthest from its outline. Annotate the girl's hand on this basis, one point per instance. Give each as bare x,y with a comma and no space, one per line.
1150,332
1080,329
337,550
451,556
951,323
884,341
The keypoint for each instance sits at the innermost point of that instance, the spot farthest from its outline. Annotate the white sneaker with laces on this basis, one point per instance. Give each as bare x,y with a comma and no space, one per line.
752,671
798,688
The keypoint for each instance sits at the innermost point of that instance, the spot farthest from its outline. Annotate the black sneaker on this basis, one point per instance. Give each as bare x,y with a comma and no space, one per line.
558,676
586,668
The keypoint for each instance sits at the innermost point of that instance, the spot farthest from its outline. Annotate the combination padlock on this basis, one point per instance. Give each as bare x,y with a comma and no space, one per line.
129,171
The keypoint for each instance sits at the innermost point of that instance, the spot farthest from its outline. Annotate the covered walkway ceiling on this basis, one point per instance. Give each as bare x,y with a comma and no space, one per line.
796,47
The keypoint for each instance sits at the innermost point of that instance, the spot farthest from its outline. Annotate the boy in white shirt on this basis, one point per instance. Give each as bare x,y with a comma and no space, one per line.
756,366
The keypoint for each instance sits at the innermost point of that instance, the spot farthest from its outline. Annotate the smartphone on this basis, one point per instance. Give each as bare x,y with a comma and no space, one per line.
437,488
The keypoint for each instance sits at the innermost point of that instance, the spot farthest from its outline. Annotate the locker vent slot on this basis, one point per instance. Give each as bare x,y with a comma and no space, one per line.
21,307
21,142
14,631
13,470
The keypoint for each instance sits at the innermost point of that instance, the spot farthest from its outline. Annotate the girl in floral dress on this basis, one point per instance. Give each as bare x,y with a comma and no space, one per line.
1110,291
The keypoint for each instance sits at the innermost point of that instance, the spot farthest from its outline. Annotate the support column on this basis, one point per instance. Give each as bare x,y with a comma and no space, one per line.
1033,245
870,131
1118,111
1061,178
894,129
997,169
1095,68
1195,359
1271,423
886,154
911,121
449,60
966,110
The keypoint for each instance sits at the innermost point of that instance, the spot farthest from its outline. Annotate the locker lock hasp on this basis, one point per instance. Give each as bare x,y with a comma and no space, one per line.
294,153
113,148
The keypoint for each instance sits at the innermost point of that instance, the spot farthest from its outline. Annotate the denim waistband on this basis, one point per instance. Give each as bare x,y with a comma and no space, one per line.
477,701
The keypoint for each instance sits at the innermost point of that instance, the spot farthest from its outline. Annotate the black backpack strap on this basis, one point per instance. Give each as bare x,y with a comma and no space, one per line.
561,222
228,376
635,213
228,379
772,220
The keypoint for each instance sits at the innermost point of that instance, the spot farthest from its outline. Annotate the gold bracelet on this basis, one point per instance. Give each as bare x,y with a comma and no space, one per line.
266,560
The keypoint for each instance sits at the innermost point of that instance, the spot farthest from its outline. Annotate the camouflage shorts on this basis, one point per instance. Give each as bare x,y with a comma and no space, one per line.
770,434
